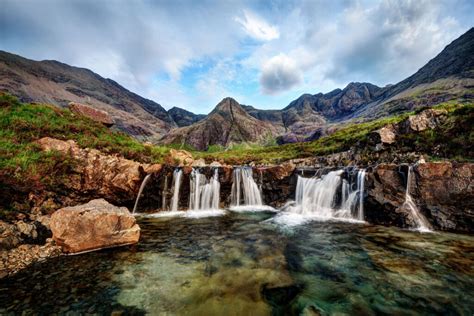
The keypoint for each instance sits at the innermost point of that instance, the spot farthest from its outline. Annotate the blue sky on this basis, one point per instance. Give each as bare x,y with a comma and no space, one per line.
192,54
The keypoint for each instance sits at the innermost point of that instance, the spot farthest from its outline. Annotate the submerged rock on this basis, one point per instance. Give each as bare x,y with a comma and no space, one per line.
92,226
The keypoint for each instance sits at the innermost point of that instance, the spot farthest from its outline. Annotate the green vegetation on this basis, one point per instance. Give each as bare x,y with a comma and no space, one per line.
22,124
454,136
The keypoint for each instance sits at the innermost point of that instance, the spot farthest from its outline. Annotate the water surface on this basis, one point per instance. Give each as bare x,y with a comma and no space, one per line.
244,264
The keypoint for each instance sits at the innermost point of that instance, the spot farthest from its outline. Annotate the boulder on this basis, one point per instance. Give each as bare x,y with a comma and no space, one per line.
179,158
199,163
427,119
93,226
91,113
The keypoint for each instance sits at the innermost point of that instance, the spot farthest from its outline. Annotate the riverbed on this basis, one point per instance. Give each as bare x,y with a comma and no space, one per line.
249,263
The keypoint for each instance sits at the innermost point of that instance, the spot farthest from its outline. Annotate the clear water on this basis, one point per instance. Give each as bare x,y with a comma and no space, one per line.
243,264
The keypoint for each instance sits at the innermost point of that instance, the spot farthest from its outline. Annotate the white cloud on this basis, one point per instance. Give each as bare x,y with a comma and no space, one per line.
279,73
256,27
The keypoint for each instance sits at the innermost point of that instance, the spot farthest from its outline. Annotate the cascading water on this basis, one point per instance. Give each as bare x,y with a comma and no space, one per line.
204,195
244,188
352,196
317,197
142,186
421,222
176,186
330,196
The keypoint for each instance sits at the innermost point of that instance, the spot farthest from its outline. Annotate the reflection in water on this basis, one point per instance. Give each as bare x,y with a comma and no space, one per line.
240,264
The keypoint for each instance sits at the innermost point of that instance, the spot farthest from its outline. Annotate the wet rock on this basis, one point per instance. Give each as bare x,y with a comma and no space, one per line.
442,191
92,226
91,113
445,191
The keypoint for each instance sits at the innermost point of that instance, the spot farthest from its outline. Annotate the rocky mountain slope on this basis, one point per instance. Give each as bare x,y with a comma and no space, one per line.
228,123
183,117
448,76
57,83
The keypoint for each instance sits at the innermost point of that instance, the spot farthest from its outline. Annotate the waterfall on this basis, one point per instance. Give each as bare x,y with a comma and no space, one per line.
176,186
421,222
352,195
244,187
317,197
142,186
330,196
204,195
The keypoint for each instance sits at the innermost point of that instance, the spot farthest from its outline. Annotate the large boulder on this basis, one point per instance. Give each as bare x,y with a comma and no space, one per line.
427,119
92,226
91,113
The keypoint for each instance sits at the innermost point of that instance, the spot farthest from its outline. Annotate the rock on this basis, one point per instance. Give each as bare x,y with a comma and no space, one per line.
199,163
9,236
427,119
92,226
215,164
385,135
179,158
98,175
154,168
92,113
445,191
442,191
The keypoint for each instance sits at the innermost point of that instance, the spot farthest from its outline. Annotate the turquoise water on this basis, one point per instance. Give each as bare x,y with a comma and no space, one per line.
246,264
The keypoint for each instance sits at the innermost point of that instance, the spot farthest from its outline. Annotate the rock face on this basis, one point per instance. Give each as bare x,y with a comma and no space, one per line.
426,119
56,83
445,191
92,226
183,117
94,114
98,175
228,123
442,191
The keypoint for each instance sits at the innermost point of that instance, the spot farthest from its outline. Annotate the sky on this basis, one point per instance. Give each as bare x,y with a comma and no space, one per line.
192,54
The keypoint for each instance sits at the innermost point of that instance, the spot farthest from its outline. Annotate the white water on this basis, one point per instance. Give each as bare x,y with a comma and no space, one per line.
421,222
327,198
142,186
204,195
176,186
353,197
244,188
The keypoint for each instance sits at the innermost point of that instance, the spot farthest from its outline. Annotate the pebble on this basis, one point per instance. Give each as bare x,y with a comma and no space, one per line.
16,259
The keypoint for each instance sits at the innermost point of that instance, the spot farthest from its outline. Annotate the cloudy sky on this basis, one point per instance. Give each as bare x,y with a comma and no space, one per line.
191,54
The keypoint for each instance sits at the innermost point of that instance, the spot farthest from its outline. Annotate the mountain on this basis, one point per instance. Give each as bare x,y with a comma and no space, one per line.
183,117
228,123
448,76
53,82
